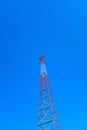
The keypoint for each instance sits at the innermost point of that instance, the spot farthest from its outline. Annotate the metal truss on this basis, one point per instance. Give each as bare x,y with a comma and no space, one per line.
47,115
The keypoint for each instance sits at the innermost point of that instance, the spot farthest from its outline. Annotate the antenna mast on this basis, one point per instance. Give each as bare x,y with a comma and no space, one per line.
47,115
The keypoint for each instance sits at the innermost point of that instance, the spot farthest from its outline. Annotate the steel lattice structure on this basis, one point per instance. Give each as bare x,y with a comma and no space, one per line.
47,115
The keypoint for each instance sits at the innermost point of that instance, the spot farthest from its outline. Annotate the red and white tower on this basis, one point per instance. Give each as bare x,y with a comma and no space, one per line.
47,115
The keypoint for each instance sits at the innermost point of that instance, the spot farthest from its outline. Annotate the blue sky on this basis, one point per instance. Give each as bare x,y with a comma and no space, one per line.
28,30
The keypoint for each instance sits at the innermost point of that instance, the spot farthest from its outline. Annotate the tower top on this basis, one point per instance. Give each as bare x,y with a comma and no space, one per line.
42,59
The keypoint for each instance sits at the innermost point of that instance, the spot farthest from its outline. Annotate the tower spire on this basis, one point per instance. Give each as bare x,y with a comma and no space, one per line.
47,115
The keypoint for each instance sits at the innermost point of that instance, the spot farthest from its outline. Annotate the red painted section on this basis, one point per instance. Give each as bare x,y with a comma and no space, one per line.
42,59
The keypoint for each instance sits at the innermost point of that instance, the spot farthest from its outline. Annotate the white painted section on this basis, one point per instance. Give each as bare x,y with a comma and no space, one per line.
43,69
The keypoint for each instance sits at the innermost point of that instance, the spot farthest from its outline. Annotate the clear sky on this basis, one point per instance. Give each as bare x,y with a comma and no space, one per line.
28,30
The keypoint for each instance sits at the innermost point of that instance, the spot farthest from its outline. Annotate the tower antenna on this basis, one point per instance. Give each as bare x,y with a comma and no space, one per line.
47,115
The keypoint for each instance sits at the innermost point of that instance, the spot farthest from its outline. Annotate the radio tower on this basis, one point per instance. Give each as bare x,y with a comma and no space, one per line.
47,115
